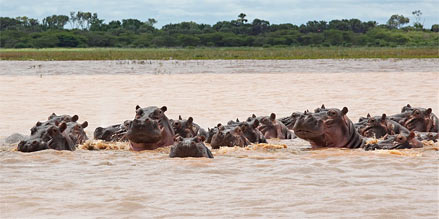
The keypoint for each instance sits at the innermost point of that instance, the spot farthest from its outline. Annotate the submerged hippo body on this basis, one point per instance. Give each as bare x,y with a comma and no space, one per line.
112,133
399,141
427,136
328,128
186,128
379,126
150,129
273,128
190,147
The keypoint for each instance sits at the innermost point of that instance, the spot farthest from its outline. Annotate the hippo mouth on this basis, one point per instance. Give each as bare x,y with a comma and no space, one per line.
148,132
303,133
416,124
374,131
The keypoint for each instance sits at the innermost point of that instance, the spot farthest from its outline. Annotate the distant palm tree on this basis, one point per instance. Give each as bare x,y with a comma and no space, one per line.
242,18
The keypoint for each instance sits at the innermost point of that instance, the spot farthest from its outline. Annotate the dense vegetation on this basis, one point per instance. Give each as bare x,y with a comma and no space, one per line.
87,30
217,53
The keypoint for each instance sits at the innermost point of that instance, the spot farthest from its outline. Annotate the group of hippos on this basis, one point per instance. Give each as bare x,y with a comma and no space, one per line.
325,127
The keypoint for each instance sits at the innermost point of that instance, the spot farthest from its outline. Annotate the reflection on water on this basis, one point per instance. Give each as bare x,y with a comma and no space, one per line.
282,178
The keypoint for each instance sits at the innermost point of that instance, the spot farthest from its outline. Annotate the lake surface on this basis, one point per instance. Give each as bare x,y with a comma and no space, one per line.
240,182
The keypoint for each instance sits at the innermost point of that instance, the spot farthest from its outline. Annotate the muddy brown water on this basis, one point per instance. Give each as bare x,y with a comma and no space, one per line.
240,182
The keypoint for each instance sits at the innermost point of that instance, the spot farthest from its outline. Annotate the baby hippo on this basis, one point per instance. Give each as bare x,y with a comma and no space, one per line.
190,147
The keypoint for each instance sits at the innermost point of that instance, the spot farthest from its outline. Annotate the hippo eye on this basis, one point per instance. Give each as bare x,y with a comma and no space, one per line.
332,113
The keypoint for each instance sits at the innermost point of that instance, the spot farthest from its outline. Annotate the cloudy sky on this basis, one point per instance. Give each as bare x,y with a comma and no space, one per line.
211,11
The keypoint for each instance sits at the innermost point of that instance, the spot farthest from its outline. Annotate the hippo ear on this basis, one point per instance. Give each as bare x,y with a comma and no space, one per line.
137,107
273,116
75,118
38,123
368,115
428,111
408,105
62,126
253,116
323,106
84,124
164,108
255,123
344,111
179,117
237,120
52,115
218,125
190,120
383,117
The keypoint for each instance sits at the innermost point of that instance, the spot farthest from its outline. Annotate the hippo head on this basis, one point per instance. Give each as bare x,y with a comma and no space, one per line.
190,147
184,127
268,126
65,118
400,141
250,130
144,130
375,127
320,109
76,132
149,127
294,116
326,128
152,112
231,136
417,119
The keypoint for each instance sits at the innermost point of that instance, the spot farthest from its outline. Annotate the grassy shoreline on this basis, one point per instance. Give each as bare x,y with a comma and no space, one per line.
62,54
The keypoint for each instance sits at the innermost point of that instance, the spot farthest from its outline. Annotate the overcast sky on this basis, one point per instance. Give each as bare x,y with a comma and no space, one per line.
211,11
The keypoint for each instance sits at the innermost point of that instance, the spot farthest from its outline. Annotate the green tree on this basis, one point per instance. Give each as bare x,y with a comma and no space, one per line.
396,21
241,18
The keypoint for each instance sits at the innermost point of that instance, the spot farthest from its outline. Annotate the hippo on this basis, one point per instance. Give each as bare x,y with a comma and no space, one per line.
74,129
190,147
399,141
273,128
229,136
249,129
328,128
419,119
65,118
76,132
48,137
379,126
14,138
112,133
427,136
150,129
187,128
289,121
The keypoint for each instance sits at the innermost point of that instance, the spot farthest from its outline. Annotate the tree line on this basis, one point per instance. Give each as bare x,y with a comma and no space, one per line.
87,30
